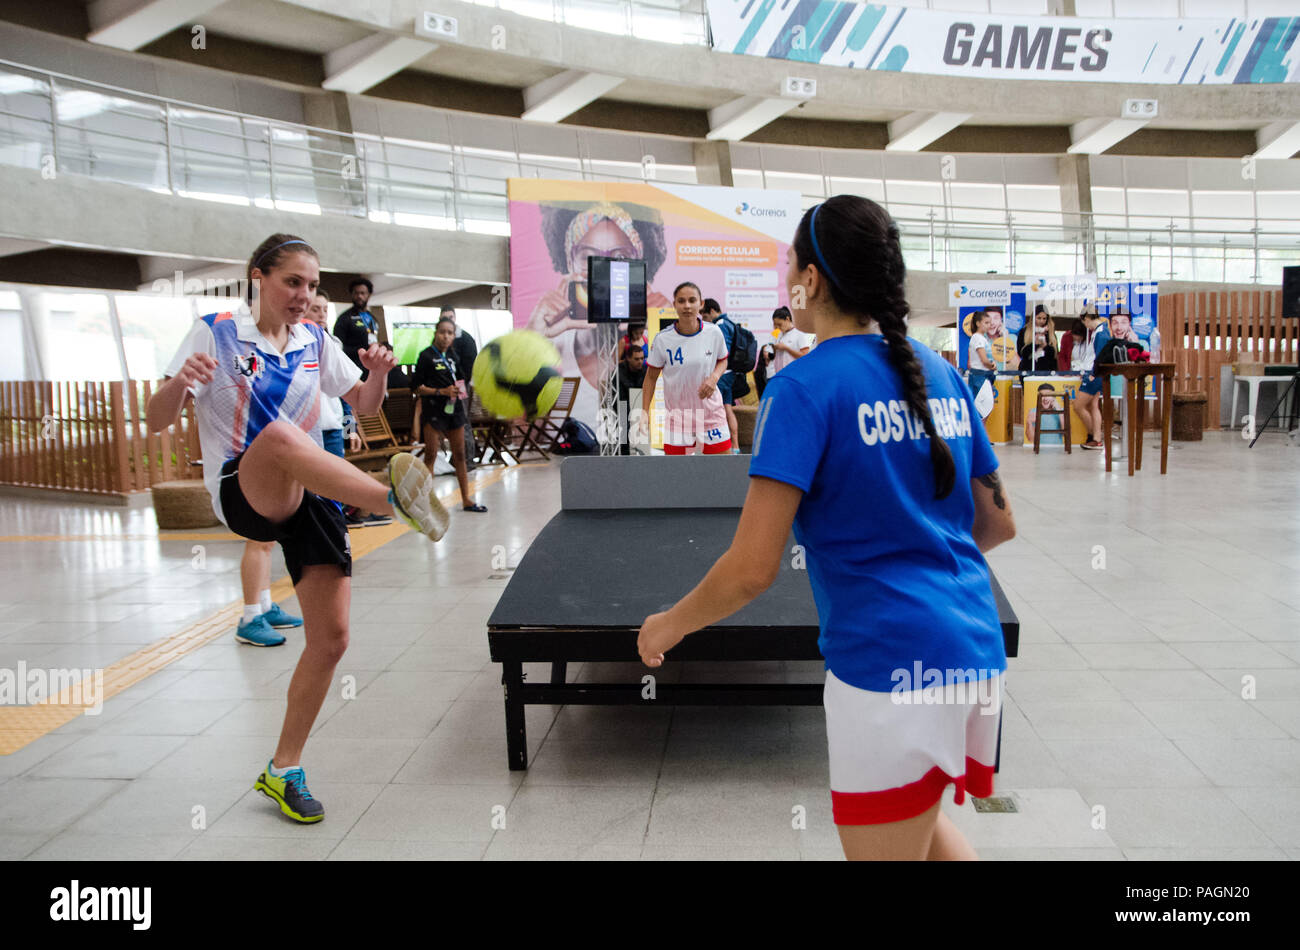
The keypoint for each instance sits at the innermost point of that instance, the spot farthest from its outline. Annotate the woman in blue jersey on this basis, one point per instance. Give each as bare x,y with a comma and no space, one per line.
256,380
871,447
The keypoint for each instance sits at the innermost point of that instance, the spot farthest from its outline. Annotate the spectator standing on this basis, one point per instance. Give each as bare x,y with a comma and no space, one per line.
334,417
356,327
631,375
445,411
1036,343
712,312
1088,401
980,363
791,344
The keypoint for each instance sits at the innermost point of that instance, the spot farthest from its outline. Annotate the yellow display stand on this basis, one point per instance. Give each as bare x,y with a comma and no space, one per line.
1062,384
998,423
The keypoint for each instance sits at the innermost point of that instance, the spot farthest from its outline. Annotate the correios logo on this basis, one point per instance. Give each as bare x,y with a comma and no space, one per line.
746,208
978,293
1064,286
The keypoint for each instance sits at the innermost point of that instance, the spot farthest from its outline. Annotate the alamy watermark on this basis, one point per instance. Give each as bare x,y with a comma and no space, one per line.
930,686
65,687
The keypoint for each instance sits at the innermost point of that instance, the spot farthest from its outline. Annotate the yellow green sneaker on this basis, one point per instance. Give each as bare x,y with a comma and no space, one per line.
290,793
413,498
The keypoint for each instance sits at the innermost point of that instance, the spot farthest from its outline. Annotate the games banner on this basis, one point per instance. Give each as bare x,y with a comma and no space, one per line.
1170,51
732,242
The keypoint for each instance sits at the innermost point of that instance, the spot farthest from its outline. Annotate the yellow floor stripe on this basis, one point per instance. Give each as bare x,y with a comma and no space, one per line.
22,725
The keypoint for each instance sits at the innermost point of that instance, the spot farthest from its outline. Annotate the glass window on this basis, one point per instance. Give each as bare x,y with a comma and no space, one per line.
77,339
153,327
12,362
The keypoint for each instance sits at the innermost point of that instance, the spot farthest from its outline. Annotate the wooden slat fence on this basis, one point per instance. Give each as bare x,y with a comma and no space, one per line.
90,437
1203,331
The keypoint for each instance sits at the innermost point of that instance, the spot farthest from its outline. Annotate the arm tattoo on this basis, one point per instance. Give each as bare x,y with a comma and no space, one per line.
993,481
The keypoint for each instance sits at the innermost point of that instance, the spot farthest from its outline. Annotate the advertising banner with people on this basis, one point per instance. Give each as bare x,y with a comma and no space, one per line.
1048,393
1131,311
996,310
732,242
1170,51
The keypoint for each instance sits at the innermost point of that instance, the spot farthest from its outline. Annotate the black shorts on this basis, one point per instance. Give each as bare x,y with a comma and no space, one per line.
315,534
442,420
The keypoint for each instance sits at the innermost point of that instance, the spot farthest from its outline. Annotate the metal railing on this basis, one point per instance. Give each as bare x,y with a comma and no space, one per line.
59,124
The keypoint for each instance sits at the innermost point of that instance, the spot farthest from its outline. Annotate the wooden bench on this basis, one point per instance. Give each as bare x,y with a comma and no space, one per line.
377,439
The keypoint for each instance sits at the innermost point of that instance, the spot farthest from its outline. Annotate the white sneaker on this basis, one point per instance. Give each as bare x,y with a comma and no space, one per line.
412,496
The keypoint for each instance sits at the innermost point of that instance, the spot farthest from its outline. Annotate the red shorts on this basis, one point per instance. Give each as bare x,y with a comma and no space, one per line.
720,448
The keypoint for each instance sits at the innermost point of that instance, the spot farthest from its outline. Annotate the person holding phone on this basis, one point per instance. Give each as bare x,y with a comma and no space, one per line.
443,411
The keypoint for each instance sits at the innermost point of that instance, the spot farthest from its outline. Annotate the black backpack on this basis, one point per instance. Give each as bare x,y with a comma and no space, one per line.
576,438
744,349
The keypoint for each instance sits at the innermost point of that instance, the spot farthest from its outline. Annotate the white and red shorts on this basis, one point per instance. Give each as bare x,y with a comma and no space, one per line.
893,754
717,448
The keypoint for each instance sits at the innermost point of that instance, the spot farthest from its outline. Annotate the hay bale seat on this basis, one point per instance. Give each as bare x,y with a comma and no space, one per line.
1188,416
183,504
745,417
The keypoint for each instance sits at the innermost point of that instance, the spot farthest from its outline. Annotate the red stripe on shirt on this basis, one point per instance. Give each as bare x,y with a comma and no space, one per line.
241,421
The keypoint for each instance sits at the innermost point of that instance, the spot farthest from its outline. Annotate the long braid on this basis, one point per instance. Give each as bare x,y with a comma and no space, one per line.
909,367
882,297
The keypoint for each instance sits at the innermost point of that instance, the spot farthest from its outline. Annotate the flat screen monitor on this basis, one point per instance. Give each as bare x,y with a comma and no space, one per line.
615,290
1291,292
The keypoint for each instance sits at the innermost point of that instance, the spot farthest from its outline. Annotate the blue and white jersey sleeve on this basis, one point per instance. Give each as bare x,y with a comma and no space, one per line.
790,434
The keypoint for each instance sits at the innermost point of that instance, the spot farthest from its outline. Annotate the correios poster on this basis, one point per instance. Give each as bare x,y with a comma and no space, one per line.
732,242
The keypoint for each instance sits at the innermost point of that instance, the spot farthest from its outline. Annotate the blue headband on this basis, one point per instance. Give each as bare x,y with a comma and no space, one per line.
817,251
276,248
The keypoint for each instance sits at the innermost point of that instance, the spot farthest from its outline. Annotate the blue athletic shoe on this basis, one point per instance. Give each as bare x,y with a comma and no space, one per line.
258,633
278,618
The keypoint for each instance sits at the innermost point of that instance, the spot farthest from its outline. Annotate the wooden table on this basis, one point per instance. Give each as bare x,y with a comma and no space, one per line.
1134,375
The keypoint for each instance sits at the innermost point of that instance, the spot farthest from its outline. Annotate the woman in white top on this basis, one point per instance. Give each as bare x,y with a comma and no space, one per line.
691,355
791,344
982,369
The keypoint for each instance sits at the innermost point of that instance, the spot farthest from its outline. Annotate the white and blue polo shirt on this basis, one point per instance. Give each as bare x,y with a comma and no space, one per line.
254,384
895,572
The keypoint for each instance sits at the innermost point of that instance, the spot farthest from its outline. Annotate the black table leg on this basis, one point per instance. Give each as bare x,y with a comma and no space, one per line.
997,756
512,678
559,671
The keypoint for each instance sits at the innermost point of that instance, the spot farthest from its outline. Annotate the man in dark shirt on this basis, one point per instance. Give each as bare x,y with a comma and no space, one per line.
631,375
356,326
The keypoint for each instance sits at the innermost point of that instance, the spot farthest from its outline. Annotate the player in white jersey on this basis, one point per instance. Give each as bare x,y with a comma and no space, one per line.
256,380
691,356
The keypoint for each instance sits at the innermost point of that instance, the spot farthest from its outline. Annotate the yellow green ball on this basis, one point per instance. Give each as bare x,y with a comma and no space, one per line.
518,375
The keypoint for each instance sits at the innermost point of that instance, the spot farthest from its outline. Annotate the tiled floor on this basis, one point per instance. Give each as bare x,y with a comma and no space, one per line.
1153,712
